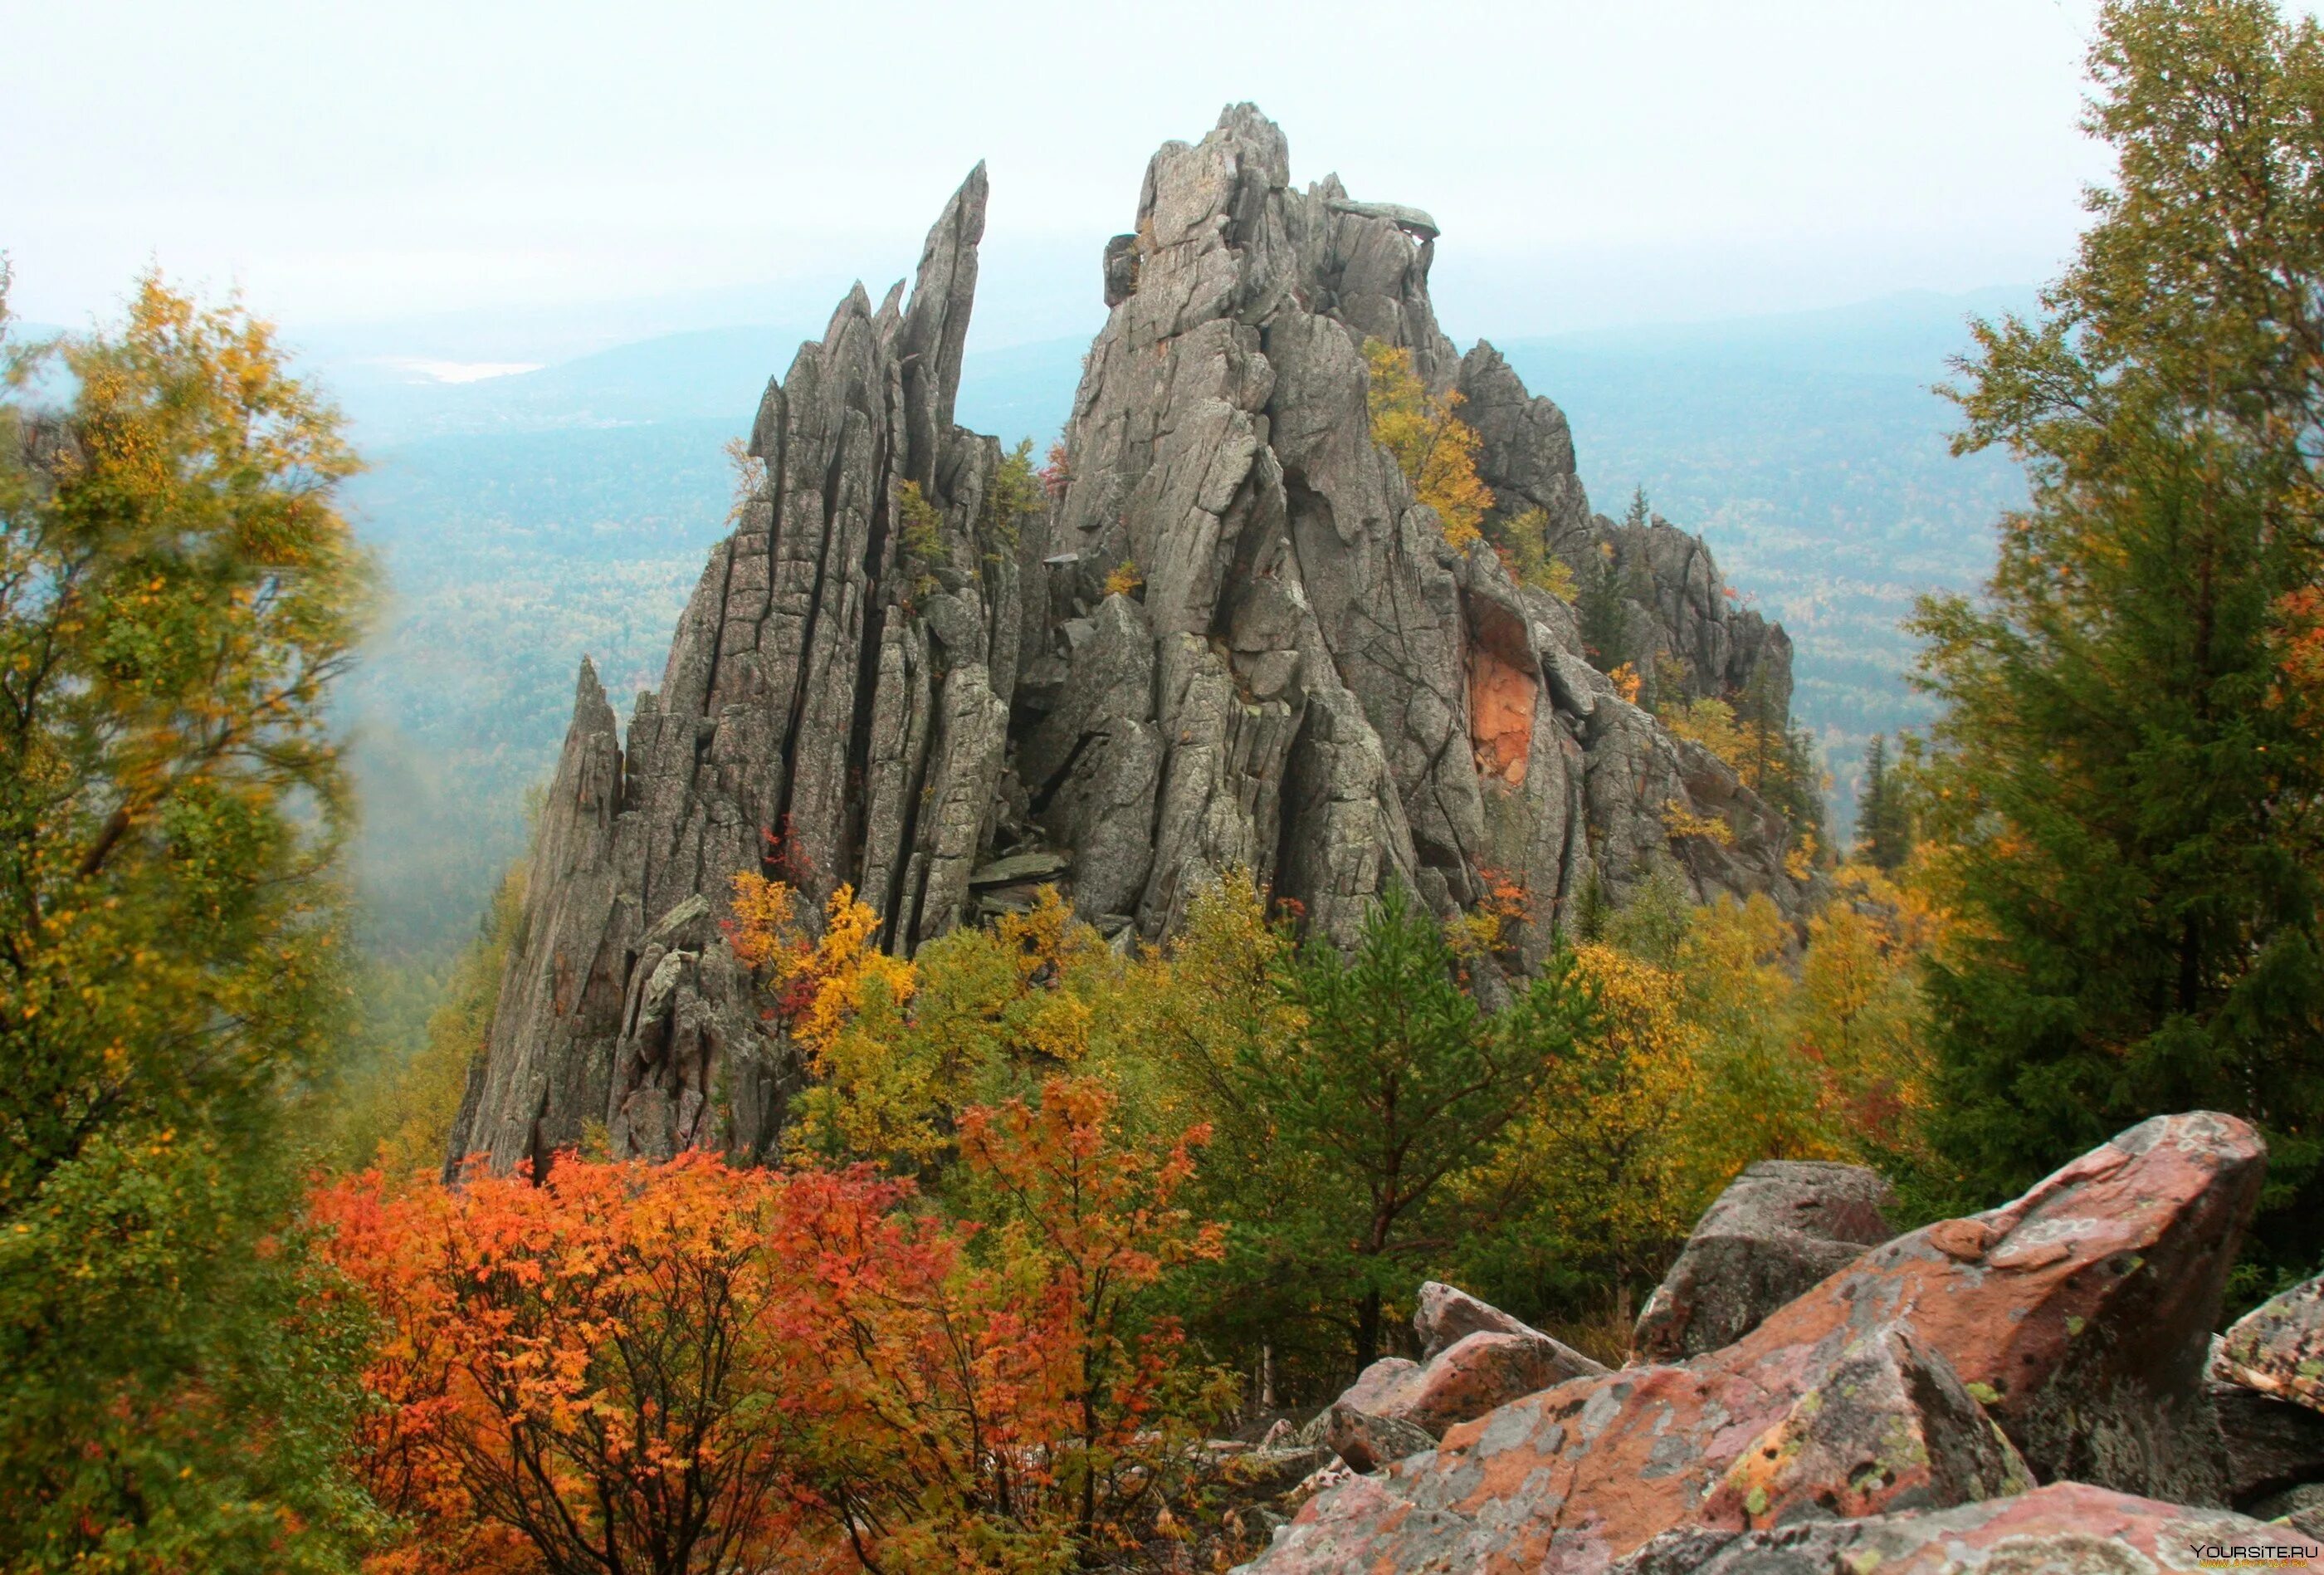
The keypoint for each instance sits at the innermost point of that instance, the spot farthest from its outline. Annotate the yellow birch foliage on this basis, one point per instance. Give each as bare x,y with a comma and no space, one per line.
1807,1052
841,999
1435,448
1712,724
1524,547
1184,1016
1762,1095
1603,1158
900,1048
1861,1015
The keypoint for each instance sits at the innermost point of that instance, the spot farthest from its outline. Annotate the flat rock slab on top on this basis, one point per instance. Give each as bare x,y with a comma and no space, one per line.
1022,866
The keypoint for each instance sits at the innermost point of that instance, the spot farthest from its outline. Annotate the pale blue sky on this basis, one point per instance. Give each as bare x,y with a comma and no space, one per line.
1591,164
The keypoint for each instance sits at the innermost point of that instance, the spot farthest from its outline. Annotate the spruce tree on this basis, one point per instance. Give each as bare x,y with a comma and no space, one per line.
1884,833
1604,611
2124,789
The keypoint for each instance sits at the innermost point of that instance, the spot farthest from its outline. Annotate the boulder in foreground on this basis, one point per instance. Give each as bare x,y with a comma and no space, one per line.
1779,1228
2063,1529
2078,1316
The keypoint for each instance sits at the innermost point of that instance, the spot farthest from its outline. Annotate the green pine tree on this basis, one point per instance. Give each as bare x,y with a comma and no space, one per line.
1400,1083
2123,789
1884,828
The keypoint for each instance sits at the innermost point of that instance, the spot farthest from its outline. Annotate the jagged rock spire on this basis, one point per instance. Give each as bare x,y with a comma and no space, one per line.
820,719
1233,642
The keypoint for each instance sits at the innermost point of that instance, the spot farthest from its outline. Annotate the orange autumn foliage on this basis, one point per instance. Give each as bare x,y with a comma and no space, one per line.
2299,643
561,1378
695,1368
1095,1220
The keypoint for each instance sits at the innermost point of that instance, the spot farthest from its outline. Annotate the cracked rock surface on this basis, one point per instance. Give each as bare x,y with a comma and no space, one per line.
1231,643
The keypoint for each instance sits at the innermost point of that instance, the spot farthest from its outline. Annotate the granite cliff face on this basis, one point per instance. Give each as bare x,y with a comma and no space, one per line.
1303,683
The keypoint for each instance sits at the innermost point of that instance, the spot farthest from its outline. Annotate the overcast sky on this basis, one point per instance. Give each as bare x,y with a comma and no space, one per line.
1591,162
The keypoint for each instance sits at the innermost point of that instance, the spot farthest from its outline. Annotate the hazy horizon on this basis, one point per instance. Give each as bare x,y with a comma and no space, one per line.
479,175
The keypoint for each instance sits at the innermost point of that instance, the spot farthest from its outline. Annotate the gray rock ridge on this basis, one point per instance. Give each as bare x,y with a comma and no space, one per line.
833,713
1341,697
1231,642
1679,607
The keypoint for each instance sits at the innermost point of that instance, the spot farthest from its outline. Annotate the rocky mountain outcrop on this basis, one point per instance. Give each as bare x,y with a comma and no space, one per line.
1230,643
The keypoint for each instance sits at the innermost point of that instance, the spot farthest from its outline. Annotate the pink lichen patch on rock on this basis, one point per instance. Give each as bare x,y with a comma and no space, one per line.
2278,1346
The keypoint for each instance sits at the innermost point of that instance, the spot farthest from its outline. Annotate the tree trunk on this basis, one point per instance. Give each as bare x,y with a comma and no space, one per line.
1368,1329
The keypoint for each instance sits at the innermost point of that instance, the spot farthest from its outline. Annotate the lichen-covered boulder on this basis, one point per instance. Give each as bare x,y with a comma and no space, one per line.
1779,1228
1367,1442
2065,1529
2278,1346
1443,1313
1467,1379
1889,1428
2078,1316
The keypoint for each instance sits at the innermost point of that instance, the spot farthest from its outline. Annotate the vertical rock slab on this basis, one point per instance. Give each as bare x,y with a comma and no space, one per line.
827,718
1779,1228
561,992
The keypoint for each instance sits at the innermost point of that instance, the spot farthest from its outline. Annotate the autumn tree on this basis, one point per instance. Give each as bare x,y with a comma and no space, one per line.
178,593
1090,1219
1522,539
594,1368
693,1367
1432,445
1399,1081
2120,799
900,1047
1592,1176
